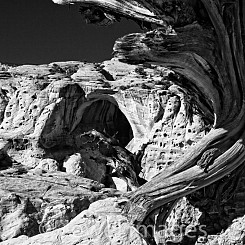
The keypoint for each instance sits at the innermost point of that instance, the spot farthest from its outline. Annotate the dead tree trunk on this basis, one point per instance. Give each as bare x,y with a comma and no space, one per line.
202,41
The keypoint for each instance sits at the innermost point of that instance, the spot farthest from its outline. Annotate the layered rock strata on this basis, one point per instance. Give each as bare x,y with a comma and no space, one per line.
182,127
76,117
48,112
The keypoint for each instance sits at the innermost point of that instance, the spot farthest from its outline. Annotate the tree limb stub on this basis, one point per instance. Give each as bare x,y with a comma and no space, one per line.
124,8
205,46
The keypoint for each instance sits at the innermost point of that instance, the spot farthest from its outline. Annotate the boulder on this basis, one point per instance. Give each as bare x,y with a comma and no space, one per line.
48,164
74,165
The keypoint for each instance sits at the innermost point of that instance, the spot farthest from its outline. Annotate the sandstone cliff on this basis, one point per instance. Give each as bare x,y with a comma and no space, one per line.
112,125
95,153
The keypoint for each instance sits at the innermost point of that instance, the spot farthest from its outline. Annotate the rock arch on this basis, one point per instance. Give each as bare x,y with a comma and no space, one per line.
104,115
74,113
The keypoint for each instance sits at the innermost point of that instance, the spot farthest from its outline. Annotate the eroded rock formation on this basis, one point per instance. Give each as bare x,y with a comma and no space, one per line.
64,117
162,120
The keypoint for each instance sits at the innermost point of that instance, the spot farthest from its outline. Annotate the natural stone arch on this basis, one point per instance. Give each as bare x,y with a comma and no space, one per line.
72,114
104,115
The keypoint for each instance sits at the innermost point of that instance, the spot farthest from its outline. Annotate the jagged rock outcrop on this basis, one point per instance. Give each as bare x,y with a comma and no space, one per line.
233,235
101,224
31,199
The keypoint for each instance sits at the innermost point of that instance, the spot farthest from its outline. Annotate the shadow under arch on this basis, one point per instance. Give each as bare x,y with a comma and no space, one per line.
102,113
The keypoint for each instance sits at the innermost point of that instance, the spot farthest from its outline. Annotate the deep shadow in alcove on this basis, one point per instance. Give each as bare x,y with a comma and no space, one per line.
106,117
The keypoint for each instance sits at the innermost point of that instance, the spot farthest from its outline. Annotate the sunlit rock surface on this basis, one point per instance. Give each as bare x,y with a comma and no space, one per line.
101,224
75,132
29,197
49,106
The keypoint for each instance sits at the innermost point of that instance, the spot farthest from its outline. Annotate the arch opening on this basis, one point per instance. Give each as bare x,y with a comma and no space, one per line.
105,117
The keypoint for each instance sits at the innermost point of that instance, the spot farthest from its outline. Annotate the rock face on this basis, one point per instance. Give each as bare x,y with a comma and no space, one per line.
76,118
173,133
31,199
133,104
138,106
105,153
101,224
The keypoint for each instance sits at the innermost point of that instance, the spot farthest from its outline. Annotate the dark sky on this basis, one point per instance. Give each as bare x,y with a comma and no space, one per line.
39,31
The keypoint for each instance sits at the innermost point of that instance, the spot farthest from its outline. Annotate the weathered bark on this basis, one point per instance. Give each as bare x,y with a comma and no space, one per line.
205,47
